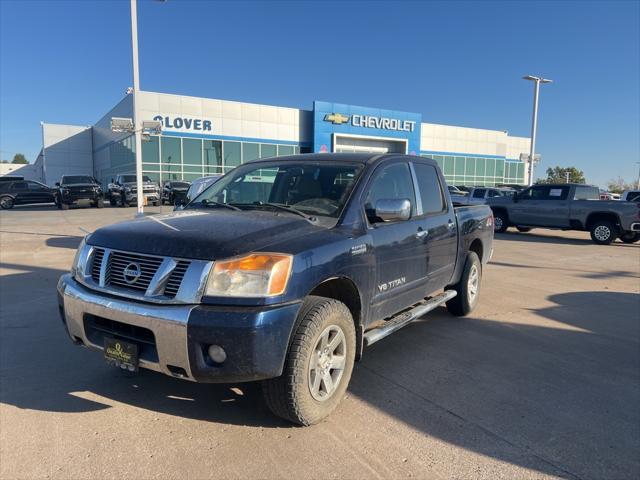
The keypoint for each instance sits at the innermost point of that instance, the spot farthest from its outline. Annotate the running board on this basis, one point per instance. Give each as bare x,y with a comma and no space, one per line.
399,321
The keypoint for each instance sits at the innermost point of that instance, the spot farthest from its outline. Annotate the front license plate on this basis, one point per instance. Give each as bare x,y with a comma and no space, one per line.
121,354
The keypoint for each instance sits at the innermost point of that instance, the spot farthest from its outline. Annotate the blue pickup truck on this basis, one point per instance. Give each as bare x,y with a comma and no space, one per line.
283,271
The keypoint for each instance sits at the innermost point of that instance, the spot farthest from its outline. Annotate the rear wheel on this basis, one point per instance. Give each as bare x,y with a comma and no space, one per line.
6,203
630,237
603,232
524,229
318,365
468,287
63,206
500,222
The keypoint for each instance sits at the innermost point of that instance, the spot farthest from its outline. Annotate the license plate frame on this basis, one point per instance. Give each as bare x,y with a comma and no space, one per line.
121,353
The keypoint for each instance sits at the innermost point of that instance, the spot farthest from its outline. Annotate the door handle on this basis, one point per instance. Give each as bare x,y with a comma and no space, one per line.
450,225
422,233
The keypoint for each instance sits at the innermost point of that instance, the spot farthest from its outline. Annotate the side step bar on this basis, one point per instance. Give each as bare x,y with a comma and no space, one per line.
399,321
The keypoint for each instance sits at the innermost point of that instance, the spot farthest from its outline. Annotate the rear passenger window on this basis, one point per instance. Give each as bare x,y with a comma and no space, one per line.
479,193
19,186
430,188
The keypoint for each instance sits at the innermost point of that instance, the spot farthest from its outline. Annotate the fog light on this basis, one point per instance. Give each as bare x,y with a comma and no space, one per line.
217,353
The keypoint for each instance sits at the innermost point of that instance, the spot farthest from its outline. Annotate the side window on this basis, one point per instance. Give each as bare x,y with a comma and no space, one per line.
391,182
494,193
34,186
586,193
19,186
479,193
534,193
558,193
430,188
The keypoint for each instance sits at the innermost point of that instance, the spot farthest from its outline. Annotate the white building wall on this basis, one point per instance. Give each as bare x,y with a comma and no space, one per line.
31,171
230,119
68,149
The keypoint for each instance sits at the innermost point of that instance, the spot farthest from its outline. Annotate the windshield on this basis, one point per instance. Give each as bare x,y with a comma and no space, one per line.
70,179
311,188
132,179
179,184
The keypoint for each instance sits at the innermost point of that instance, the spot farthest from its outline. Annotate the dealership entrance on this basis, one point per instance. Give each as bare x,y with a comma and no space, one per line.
363,144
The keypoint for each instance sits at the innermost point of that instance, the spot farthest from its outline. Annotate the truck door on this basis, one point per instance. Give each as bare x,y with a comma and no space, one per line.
439,223
543,205
399,248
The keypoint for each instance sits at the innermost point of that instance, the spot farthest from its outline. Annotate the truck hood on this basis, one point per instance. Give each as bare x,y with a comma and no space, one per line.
79,185
203,234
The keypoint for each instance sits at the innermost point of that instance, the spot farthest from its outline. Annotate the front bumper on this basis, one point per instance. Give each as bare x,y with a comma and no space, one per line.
173,339
132,197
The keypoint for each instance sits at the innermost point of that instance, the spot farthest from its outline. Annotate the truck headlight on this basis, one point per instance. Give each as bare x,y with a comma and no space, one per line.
255,275
79,254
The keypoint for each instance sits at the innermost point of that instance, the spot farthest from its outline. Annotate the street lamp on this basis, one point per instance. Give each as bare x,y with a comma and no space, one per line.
534,120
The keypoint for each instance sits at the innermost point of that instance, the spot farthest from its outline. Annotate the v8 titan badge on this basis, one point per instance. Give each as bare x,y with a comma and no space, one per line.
121,354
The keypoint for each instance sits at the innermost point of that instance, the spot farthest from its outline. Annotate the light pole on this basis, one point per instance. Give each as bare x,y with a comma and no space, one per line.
534,120
638,182
136,89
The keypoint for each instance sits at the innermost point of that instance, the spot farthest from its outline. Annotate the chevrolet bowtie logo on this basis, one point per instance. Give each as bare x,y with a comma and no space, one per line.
336,118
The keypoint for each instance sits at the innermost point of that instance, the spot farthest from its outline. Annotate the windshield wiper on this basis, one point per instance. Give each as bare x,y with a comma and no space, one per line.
286,208
208,203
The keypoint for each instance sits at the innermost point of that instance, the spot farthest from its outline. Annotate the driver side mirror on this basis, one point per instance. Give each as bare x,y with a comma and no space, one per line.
57,184
393,209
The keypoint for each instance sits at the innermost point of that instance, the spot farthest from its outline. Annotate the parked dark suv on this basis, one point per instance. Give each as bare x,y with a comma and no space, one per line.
73,188
22,192
174,191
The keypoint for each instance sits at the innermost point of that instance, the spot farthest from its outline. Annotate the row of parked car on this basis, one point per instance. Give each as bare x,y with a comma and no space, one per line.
84,189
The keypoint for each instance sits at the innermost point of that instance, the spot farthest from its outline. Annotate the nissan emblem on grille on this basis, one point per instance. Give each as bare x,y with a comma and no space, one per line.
131,273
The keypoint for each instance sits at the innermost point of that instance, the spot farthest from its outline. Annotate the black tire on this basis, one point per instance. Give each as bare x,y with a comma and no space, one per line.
123,202
465,301
155,204
64,206
603,232
6,202
290,395
500,222
99,203
630,237
112,202
524,229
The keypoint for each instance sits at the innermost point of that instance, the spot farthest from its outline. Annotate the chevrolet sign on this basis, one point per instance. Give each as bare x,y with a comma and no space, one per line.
370,121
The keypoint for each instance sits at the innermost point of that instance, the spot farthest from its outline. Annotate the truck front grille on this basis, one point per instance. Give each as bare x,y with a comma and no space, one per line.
119,261
147,265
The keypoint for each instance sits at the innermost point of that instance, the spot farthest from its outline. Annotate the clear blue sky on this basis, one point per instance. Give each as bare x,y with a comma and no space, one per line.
457,63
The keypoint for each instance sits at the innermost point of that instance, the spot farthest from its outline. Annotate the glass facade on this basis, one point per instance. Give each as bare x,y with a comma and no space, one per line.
474,170
178,158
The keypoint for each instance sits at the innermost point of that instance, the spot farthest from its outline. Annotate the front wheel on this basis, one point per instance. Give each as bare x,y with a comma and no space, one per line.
524,229
112,202
99,203
630,237
318,364
500,222
6,203
603,232
468,287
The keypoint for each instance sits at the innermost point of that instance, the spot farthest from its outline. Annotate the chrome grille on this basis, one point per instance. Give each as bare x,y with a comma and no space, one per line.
175,279
118,261
98,255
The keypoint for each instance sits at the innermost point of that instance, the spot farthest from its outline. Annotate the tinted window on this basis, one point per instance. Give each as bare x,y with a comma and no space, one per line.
391,182
35,186
479,193
550,192
179,184
71,179
495,193
633,196
586,193
430,189
19,186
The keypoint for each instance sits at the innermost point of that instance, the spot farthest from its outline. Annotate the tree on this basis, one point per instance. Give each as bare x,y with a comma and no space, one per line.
19,158
619,185
559,175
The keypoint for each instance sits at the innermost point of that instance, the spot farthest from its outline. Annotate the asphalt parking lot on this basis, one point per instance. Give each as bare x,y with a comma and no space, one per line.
542,380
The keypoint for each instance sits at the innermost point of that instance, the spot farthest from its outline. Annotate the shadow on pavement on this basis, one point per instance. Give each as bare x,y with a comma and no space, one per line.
71,242
513,236
560,398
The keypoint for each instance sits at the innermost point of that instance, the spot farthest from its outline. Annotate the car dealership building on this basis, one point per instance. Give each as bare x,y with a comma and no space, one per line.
202,136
